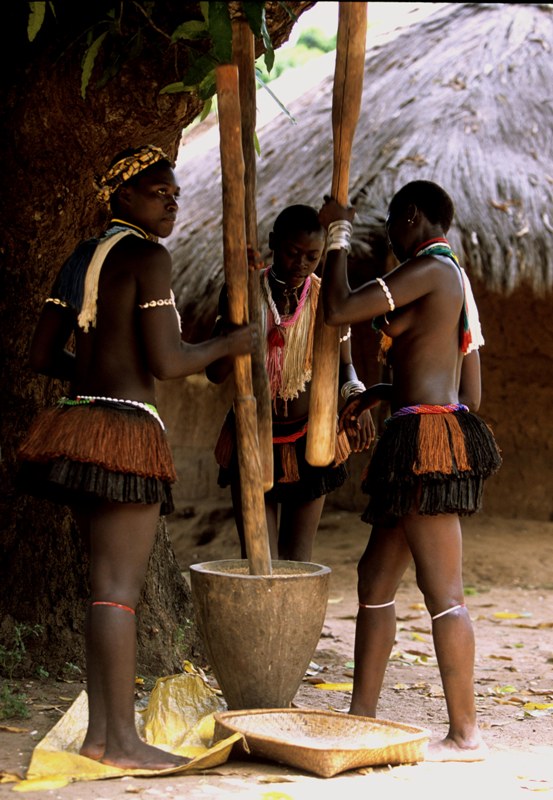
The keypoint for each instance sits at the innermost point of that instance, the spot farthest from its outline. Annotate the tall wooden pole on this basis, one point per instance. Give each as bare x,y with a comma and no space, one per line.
236,277
346,104
243,48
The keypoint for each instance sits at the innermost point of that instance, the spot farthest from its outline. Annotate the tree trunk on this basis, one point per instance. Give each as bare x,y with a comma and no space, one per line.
53,143
45,594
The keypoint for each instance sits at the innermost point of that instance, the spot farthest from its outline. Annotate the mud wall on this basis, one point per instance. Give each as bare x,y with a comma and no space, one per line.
517,378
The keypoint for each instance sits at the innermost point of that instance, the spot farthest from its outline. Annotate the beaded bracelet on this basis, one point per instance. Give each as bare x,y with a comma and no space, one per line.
339,235
352,387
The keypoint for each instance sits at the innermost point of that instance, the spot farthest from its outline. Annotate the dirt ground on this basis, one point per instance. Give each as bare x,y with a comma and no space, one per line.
509,585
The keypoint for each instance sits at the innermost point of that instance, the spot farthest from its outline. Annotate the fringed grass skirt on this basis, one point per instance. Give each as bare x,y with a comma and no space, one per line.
294,479
108,451
429,463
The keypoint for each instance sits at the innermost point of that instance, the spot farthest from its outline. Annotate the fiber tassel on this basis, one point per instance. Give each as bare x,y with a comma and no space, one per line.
457,442
69,285
434,451
289,464
87,316
225,443
120,441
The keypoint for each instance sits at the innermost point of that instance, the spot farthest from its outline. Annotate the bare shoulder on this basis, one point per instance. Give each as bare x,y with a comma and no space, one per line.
440,270
143,255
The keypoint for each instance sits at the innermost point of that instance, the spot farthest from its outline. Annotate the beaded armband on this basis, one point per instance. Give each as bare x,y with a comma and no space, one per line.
389,297
56,302
346,335
169,301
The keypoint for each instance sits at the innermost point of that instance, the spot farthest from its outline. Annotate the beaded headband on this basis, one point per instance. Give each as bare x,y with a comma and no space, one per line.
127,168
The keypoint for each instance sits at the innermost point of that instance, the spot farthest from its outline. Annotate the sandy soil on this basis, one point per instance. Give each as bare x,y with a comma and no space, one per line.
509,582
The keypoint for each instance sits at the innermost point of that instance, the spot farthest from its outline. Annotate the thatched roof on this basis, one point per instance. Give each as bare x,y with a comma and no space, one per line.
462,98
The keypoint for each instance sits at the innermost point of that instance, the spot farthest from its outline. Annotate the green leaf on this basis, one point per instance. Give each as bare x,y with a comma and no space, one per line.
174,88
289,11
197,71
273,95
37,12
204,8
220,28
254,13
256,143
269,56
208,86
88,61
206,109
194,29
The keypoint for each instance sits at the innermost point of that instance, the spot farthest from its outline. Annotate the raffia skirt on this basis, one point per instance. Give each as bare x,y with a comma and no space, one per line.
294,479
106,451
429,463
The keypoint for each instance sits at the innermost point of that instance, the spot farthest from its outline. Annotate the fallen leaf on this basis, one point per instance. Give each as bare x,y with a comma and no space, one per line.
41,784
435,691
9,777
274,779
335,687
410,657
12,729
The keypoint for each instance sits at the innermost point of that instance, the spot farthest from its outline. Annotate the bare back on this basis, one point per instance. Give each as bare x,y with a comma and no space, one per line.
112,358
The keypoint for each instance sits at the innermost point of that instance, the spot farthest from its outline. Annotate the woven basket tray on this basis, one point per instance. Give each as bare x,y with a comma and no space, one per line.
323,742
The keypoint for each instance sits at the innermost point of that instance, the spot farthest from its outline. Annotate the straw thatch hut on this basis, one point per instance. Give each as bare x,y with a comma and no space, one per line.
463,98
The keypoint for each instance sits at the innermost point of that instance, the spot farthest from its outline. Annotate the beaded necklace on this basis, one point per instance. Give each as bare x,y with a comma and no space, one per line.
287,319
290,340
288,292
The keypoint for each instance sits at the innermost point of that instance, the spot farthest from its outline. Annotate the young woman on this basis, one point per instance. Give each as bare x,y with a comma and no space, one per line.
290,293
430,464
103,450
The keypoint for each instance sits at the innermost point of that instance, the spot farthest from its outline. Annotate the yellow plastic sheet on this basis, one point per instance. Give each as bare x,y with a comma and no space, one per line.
178,719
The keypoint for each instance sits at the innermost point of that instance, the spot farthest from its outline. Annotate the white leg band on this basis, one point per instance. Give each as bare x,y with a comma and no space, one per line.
382,605
448,611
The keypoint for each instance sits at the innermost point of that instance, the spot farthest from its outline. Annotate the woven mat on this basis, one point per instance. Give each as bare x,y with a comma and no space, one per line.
323,742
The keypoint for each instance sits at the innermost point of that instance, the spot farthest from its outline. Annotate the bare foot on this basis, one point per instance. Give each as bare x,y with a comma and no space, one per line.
448,750
92,750
144,756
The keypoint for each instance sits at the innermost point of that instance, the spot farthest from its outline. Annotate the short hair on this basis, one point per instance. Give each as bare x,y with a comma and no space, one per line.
295,218
433,201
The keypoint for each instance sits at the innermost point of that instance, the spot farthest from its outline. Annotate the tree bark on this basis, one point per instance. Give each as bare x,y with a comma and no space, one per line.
53,143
